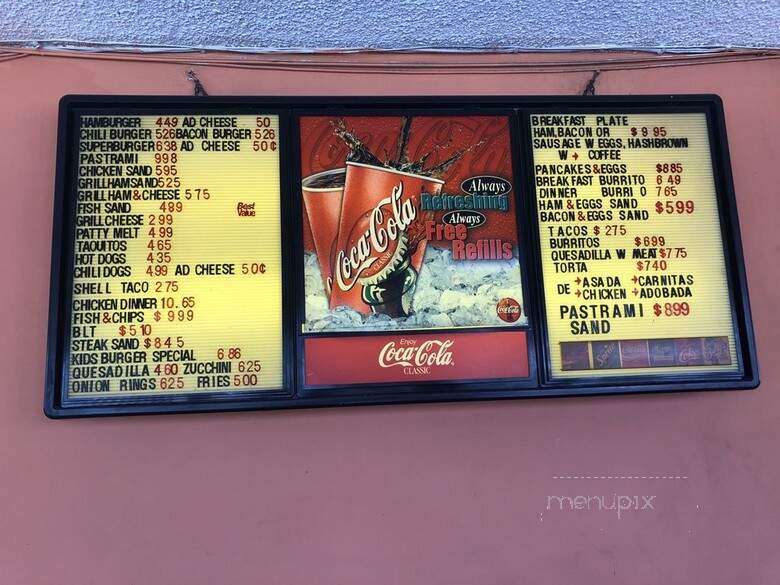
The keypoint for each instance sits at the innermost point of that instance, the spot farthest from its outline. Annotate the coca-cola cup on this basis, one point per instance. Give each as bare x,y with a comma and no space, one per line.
322,194
380,244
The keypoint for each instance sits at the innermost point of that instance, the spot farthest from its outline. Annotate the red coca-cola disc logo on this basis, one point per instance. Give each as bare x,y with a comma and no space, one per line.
508,309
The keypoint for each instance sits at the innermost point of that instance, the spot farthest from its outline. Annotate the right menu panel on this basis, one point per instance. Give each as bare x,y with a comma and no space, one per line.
632,255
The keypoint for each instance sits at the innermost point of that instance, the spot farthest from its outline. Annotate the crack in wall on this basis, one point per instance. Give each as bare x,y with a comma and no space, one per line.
590,87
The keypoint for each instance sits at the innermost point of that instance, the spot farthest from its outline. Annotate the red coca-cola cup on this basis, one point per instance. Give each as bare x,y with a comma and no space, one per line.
380,244
322,194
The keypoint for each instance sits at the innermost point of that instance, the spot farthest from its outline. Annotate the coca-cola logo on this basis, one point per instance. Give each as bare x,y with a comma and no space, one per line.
508,309
387,223
409,354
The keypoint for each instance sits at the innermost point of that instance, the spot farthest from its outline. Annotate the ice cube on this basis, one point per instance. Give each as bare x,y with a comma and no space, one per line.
440,320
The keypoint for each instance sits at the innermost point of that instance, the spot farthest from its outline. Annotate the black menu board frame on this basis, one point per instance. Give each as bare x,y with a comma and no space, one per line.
294,395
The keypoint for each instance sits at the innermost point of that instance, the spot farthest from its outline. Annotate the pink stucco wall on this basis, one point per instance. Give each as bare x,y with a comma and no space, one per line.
449,493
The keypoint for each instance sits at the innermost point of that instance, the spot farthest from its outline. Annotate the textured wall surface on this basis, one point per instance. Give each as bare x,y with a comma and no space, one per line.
312,24
437,494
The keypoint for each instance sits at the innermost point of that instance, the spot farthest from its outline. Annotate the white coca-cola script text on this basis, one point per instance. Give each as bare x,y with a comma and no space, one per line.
376,239
434,352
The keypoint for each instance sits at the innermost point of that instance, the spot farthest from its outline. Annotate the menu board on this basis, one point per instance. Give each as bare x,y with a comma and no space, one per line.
231,253
177,272
633,262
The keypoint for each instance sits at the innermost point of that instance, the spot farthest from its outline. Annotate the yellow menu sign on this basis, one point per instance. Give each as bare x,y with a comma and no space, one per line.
177,271
632,257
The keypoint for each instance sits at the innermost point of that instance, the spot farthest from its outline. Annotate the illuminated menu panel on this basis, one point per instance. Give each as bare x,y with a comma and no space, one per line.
632,256
177,270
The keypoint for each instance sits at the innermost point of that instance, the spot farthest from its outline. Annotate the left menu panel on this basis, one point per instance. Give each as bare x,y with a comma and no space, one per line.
177,264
